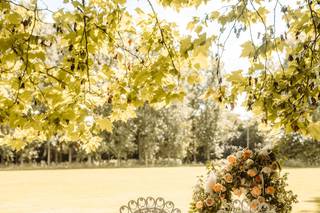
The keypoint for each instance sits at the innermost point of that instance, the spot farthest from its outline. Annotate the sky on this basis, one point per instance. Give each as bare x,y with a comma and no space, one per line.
231,58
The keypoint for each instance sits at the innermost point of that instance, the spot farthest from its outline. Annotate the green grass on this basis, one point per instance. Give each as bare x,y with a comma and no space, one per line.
16,167
105,190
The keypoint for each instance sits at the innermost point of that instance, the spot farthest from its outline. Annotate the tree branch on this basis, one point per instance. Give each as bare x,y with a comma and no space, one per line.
86,44
162,36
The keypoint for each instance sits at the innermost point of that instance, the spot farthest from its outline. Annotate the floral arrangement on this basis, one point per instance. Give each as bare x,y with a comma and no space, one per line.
244,175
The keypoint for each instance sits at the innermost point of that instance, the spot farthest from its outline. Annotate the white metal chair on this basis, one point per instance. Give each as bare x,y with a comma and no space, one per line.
243,206
149,205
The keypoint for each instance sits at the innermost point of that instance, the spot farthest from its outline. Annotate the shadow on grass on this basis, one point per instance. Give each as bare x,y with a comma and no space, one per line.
316,201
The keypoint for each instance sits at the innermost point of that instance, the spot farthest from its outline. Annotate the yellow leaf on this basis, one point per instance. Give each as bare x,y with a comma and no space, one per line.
235,76
16,144
198,29
247,49
139,11
215,15
194,78
105,124
314,130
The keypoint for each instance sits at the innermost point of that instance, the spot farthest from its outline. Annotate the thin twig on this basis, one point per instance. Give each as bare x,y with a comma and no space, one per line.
26,61
162,37
86,44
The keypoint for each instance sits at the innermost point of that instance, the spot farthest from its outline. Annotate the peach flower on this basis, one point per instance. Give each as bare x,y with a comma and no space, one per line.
228,178
232,159
270,190
256,191
209,201
247,154
254,204
237,192
199,204
222,197
252,172
218,187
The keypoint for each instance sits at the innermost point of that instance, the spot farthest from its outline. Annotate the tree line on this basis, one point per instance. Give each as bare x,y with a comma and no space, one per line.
168,136
56,71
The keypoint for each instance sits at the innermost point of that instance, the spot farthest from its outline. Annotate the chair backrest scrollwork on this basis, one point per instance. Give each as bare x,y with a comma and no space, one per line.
245,206
149,205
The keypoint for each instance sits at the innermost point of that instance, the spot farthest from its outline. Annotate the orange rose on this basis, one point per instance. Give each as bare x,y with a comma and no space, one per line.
228,178
256,191
218,187
258,179
254,204
199,204
247,154
270,190
209,201
232,159
252,172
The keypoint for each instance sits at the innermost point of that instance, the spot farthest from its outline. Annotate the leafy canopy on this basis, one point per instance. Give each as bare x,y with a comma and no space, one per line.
55,75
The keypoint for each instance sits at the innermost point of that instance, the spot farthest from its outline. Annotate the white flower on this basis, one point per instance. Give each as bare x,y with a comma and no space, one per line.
243,181
89,121
197,188
249,163
266,170
211,180
239,154
264,151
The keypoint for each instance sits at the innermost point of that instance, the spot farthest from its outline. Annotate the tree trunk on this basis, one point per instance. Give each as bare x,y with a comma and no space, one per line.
77,158
56,157
89,159
1,159
140,147
48,152
145,158
21,158
119,159
70,154
208,153
194,152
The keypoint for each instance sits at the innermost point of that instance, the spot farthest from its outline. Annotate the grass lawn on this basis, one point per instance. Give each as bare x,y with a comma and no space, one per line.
104,190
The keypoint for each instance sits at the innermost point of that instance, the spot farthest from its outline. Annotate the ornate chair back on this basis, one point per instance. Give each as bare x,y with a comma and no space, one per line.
149,205
245,206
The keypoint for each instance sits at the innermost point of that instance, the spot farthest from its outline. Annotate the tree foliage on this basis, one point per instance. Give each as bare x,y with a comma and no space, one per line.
282,81
55,75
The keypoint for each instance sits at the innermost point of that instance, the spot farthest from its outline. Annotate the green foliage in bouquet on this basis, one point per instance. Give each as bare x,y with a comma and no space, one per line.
253,176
